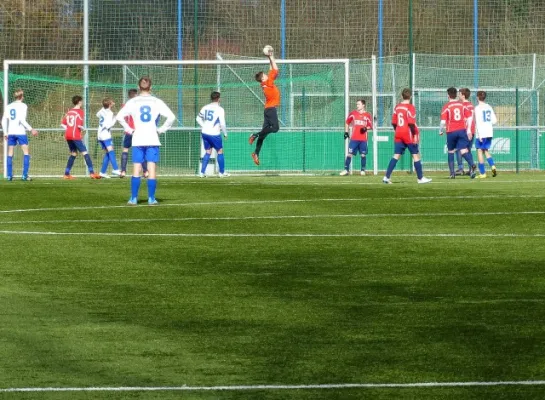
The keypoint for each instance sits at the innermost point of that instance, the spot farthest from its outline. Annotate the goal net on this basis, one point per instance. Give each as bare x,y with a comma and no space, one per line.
314,104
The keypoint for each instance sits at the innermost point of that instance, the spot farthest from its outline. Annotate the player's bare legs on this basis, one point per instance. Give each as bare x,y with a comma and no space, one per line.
152,170
125,160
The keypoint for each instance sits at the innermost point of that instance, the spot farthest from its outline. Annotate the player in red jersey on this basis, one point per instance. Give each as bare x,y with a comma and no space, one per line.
127,142
455,120
72,122
360,122
407,136
464,94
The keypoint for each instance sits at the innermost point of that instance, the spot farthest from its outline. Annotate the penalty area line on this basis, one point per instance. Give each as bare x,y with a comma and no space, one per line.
284,201
274,217
278,235
273,387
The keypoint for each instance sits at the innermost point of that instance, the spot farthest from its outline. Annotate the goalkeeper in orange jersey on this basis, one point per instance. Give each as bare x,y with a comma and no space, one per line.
272,101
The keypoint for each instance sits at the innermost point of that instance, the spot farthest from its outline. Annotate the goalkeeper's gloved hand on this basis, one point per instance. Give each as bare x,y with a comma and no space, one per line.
346,135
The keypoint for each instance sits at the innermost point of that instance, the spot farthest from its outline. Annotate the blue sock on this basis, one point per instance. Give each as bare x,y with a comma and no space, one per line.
113,161
481,168
363,163
221,163
10,166
26,164
89,163
105,161
205,160
124,160
347,163
470,165
451,163
152,186
135,187
145,166
459,160
418,169
391,166
69,164
469,158
490,161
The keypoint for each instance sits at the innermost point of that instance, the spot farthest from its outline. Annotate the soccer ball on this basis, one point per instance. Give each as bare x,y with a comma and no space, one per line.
268,50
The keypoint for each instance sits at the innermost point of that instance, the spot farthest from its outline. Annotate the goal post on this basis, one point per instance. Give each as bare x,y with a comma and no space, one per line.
309,140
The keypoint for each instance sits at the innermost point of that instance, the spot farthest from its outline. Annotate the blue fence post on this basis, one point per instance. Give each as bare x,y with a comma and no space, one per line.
380,63
476,43
180,57
283,55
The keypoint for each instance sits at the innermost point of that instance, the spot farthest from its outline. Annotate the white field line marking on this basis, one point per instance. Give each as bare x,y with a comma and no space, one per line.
280,235
305,180
273,217
273,387
249,202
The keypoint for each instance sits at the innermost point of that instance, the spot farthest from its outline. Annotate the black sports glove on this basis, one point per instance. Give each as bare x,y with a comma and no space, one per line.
346,135
363,130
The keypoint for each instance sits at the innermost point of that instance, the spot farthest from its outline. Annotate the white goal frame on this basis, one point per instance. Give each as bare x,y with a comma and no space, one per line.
123,63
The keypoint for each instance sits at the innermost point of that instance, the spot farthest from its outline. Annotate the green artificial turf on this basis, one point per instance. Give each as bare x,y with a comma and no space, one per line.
274,281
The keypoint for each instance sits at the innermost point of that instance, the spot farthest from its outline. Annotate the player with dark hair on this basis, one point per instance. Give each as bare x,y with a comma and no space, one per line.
211,119
407,136
464,95
272,101
72,123
359,122
456,120
485,119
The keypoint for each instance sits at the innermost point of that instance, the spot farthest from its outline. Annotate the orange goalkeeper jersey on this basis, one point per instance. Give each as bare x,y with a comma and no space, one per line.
271,92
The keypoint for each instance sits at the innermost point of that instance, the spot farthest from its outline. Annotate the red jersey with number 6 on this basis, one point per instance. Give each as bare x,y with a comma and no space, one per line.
72,122
455,114
359,121
404,115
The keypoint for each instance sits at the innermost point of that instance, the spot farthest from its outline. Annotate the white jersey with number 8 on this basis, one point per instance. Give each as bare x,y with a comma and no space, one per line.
146,112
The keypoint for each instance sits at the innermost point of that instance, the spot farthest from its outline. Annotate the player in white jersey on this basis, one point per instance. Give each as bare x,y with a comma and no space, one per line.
14,125
106,121
485,118
211,118
146,110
